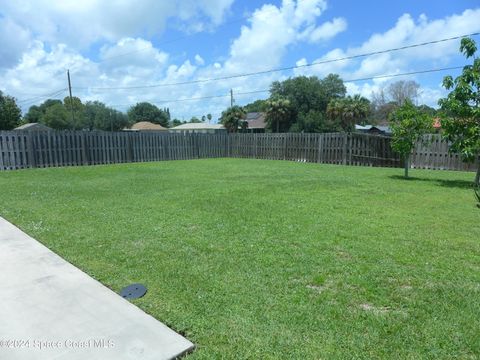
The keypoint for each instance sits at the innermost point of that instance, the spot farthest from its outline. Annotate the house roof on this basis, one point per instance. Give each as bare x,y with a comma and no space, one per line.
363,127
198,126
256,120
253,115
147,126
385,129
34,126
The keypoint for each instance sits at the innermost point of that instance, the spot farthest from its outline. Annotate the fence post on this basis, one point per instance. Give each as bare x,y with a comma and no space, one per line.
345,148
83,143
195,141
350,147
31,150
229,152
320,148
129,147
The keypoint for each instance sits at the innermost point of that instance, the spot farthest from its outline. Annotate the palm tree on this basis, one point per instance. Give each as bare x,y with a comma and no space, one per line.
349,110
360,106
278,112
232,118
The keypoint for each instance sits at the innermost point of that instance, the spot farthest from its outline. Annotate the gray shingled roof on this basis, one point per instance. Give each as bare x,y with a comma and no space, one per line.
256,120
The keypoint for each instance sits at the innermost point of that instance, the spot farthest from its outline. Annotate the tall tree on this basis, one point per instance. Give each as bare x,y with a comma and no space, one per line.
10,113
307,94
409,125
194,120
100,117
75,109
209,117
278,113
36,113
332,88
145,111
315,121
403,90
348,111
57,117
33,115
49,102
256,106
461,126
232,118
381,107
176,122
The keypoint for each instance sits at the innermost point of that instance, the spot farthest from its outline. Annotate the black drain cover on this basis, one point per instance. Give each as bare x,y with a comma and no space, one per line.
133,291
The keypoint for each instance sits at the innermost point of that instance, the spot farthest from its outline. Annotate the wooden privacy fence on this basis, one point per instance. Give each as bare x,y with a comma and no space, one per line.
330,148
435,155
19,150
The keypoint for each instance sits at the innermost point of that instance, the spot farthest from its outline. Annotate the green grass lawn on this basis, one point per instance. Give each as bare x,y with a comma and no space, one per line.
271,259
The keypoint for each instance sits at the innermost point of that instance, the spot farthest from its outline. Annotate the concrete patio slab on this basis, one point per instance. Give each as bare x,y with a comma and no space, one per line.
49,309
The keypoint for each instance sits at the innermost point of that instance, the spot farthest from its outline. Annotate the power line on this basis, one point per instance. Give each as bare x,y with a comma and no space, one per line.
58,92
40,97
268,90
280,69
406,74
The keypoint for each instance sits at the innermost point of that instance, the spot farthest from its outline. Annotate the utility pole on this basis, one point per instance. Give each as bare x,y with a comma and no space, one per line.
71,98
232,100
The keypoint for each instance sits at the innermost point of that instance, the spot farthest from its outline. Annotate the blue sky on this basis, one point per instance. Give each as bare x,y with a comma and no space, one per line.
116,44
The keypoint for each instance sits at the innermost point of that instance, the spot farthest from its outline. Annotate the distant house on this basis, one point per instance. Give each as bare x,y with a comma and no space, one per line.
256,122
33,127
374,129
146,126
199,128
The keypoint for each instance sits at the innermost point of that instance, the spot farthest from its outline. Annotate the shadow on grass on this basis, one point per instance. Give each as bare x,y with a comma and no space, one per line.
462,184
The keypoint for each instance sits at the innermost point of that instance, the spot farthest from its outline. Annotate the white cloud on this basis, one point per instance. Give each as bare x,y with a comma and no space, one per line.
263,43
429,96
405,32
41,39
41,72
325,68
49,41
199,60
136,58
325,31
80,23
12,47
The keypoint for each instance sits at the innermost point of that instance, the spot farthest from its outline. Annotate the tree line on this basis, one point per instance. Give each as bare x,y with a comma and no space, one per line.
311,104
299,104
72,114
